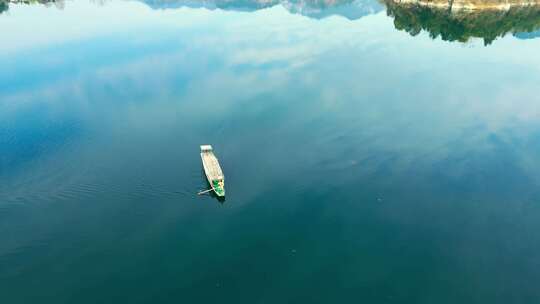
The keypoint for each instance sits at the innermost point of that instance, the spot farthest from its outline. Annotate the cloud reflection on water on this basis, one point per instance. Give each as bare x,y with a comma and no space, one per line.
411,97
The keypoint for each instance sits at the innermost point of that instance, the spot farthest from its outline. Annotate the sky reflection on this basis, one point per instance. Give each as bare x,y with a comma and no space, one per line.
360,73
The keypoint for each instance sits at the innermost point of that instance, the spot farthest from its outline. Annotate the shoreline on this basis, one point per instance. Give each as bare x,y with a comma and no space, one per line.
470,5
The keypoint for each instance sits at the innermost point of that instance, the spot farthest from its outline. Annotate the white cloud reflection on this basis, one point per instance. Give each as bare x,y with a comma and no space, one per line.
408,95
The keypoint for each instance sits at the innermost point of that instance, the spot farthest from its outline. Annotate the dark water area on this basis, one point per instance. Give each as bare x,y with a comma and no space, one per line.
367,158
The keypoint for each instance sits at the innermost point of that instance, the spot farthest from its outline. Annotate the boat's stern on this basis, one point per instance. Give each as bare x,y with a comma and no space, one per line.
219,187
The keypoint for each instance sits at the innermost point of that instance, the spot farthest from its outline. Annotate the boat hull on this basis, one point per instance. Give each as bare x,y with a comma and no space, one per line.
213,171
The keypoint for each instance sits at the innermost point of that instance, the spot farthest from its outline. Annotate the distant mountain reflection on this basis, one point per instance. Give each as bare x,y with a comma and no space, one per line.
487,22
4,4
350,9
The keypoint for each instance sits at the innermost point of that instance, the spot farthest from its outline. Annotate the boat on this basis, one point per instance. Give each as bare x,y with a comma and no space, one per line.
213,172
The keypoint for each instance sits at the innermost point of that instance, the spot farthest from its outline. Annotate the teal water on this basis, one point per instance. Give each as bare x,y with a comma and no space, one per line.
365,162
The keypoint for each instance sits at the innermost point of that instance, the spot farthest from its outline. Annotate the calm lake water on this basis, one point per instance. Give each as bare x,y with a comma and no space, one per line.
368,159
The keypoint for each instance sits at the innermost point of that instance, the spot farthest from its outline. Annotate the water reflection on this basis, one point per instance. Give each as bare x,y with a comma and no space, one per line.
318,9
450,20
462,24
350,9
527,35
371,154
4,4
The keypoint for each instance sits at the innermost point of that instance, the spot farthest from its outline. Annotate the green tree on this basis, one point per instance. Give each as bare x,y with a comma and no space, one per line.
463,25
